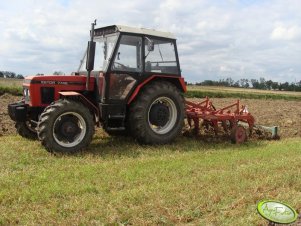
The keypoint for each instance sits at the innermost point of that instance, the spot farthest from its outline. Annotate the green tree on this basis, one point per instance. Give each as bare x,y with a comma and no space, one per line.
262,84
255,84
275,85
19,76
58,73
269,84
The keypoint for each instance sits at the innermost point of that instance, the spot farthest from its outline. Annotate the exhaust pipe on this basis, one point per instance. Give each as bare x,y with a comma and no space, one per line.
90,55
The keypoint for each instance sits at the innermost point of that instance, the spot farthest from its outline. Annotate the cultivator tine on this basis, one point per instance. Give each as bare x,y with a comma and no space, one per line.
225,126
212,117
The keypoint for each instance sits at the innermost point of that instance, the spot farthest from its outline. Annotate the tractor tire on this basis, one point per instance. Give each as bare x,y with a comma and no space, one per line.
66,126
26,130
157,114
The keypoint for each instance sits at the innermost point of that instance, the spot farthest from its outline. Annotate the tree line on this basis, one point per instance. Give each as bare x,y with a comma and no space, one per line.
9,74
253,83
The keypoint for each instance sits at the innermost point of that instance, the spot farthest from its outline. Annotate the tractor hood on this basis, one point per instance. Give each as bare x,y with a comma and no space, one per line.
43,90
59,80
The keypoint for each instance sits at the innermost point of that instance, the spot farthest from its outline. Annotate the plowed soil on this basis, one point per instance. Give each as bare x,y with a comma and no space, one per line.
282,113
7,126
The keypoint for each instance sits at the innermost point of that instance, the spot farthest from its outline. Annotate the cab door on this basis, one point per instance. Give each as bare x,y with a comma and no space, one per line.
126,68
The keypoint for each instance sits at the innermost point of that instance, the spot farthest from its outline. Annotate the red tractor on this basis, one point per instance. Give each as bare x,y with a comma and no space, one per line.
129,81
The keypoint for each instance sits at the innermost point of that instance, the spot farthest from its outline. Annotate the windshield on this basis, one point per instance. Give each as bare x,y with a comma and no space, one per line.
103,52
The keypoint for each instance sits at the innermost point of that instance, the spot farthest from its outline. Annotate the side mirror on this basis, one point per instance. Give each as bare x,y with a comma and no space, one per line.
90,56
150,45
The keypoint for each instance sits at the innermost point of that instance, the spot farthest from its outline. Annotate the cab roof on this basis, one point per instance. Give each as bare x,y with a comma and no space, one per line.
127,29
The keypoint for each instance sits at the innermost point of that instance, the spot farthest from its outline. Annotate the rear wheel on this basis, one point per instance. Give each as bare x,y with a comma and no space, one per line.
157,115
27,130
66,126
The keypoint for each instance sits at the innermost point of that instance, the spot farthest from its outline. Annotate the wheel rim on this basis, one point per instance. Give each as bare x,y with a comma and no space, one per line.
162,115
69,129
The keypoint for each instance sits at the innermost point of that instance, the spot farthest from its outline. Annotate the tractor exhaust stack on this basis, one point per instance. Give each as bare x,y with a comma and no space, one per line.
90,55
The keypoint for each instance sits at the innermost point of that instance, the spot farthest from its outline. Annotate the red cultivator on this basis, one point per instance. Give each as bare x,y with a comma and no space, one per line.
231,121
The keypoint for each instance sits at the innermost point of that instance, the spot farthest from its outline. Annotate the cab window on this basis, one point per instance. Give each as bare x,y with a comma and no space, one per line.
128,55
160,56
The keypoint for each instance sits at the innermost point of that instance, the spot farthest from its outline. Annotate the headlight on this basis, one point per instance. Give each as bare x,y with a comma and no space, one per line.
26,94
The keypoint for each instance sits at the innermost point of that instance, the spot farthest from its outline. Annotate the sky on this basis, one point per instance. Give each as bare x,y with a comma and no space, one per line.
216,39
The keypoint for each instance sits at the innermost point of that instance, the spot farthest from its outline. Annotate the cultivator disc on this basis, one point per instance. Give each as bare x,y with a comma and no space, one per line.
238,135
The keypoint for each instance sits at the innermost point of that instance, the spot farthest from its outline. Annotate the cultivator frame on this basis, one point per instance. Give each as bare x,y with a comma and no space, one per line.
230,118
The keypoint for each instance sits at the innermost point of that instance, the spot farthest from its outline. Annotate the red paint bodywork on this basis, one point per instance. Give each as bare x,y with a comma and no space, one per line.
78,84
59,83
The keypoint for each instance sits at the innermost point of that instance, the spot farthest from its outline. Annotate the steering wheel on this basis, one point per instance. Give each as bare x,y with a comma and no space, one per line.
121,66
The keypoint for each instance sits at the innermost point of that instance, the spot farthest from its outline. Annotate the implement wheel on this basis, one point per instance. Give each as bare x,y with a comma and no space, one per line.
238,134
157,115
66,126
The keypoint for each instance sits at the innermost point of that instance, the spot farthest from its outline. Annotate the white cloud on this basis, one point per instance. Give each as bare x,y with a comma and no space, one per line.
286,33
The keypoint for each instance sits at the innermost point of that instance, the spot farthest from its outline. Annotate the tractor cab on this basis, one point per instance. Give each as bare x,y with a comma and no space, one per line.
125,58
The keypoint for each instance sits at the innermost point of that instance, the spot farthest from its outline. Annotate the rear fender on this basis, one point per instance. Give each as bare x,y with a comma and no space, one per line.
176,80
86,102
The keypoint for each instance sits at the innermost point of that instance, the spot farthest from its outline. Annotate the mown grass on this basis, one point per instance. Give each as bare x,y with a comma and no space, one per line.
118,181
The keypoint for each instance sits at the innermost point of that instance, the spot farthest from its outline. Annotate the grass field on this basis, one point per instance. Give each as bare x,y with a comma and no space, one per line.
11,82
119,181
240,90
231,92
12,86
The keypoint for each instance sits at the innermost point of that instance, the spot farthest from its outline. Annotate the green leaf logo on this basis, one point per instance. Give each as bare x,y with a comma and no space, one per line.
277,212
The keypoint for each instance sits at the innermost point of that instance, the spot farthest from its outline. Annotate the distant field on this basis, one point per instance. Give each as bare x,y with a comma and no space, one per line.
240,90
226,92
11,82
12,86
120,182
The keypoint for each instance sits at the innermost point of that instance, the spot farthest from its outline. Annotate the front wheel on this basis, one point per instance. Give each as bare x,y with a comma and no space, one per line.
27,130
157,115
66,126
